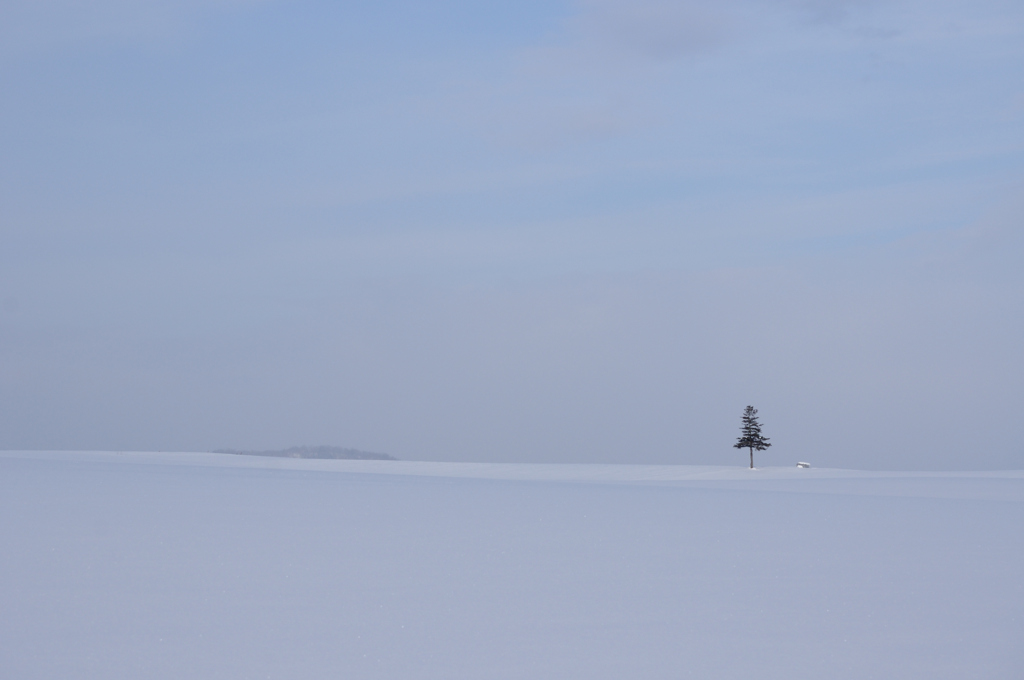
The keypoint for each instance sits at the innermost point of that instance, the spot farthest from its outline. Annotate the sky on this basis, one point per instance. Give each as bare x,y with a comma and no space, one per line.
587,231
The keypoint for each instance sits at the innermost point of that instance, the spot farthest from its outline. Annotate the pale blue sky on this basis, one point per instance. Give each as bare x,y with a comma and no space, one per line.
583,231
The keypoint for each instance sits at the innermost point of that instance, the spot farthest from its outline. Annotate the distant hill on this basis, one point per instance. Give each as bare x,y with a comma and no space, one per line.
329,452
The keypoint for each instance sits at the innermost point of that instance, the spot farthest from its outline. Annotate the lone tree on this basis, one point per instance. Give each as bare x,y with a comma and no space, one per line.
751,438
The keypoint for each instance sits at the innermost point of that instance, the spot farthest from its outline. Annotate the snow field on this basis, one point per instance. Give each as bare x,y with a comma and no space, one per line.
161,566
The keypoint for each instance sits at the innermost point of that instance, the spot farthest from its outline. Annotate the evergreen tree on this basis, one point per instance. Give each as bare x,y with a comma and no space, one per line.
751,438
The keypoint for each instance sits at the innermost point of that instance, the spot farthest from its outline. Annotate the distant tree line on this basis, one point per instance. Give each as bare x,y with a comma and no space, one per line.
328,452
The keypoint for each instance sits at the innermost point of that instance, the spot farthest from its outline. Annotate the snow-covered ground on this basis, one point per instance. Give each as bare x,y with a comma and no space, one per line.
172,566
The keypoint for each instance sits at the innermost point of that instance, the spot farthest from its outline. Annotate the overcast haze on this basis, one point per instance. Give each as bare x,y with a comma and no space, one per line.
522,231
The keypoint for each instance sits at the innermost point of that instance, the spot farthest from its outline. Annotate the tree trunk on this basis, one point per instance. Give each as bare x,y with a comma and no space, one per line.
751,457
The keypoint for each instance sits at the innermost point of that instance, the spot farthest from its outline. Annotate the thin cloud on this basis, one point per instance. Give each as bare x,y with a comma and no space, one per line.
657,29
831,11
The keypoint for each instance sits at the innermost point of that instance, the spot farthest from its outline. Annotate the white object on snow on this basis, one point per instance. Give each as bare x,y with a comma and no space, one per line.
803,465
